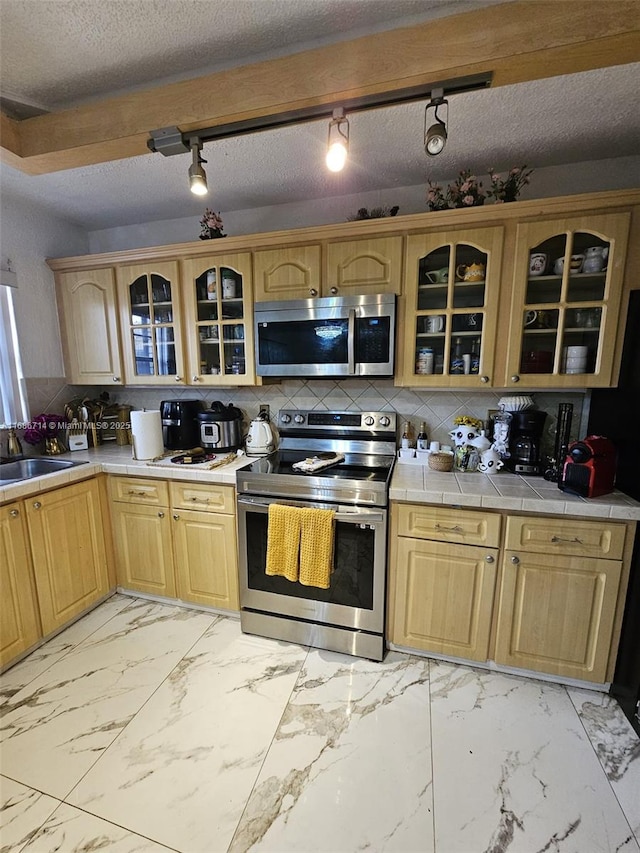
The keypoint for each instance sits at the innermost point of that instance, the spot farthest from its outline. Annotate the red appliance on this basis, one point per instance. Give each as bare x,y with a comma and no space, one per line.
590,467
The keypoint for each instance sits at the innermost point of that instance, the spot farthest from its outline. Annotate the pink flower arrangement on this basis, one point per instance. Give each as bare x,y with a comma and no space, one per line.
466,191
508,189
43,427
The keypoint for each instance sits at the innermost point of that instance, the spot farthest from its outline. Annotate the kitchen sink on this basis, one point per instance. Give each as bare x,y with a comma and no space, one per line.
26,469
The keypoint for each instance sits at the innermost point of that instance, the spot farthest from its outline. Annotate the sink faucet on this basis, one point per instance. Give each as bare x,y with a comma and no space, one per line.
14,448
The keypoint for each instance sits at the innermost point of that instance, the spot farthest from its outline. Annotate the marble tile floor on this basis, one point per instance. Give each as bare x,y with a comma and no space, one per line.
146,727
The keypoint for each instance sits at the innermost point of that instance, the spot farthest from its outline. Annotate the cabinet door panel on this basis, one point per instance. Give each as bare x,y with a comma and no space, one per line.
556,614
89,326
291,273
69,553
444,598
365,266
19,620
206,558
144,559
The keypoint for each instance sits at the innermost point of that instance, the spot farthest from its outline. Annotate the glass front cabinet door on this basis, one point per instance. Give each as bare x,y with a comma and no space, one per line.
151,323
451,308
566,302
219,320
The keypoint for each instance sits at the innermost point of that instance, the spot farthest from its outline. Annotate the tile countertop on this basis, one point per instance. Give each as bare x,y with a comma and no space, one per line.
504,491
118,460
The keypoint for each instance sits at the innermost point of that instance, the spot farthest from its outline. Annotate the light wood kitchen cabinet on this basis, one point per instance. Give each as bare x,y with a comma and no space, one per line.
19,617
442,579
68,550
448,326
218,330
176,540
558,595
567,290
87,302
288,273
364,266
151,323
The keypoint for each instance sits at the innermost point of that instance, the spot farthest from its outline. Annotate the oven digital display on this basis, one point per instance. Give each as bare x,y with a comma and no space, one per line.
349,419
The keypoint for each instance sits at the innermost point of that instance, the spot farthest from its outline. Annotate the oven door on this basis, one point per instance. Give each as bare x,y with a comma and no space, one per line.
355,598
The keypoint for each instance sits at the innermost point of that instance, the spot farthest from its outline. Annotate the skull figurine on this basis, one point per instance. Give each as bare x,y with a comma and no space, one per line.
464,434
490,461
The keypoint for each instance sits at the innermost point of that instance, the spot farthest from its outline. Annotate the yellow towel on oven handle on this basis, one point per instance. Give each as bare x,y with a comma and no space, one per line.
283,541
316,547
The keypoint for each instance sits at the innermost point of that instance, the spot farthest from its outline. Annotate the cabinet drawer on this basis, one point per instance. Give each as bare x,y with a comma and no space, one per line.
134,490
565,536
203,496
445,524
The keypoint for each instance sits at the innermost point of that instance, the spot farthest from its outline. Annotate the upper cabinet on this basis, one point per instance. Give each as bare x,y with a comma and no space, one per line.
448,328
151,323
287,273
218,325
353,267
567,288
89,327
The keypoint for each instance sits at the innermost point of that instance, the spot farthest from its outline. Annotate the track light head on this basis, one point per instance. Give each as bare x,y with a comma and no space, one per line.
337,141
436,136
197,175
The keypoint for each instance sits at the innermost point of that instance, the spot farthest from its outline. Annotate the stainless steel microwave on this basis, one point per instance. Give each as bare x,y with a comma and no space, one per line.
336,336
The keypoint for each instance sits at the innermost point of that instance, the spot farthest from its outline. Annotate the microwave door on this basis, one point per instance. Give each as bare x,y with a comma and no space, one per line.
318,343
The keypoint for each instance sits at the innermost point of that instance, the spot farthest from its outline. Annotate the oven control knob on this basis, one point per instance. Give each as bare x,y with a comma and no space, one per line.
286,419
385,421
369,421
299,419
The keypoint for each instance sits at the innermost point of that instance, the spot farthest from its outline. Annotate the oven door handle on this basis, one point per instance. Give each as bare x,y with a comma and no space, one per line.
358,516
351,341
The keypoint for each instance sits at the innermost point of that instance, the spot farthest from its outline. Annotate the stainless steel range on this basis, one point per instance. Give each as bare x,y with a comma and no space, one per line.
349,615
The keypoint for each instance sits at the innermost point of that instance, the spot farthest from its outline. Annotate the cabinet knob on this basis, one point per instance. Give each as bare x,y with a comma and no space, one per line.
37,504
333,291
116,379
515,560
178,378
14,513
484,379
195,379
176,517
160,515
490,559
515,378
313,291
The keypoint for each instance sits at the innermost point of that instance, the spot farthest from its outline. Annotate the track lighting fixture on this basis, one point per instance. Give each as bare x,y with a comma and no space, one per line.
436,137
337,141
197,175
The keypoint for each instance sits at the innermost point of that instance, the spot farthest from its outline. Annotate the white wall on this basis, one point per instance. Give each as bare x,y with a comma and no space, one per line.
29,235
591,176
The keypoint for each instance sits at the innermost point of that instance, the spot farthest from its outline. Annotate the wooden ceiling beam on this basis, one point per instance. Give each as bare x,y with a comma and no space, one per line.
515,42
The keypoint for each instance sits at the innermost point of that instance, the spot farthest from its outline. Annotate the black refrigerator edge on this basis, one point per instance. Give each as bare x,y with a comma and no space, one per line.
613,413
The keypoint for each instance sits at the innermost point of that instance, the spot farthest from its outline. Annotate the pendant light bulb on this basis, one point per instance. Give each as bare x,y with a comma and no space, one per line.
197,175
337,141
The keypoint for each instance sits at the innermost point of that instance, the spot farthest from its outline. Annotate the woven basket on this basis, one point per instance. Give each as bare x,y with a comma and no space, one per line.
440,461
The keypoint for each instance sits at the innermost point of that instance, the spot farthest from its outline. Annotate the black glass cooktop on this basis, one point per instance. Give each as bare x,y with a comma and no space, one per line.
364,467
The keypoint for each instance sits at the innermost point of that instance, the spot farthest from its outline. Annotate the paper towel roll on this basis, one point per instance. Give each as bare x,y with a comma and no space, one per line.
146,432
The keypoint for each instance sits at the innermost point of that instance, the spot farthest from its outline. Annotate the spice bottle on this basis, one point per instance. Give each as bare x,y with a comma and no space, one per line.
422,441
405,442
457,362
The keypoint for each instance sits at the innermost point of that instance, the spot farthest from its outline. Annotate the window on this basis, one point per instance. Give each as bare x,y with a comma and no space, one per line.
13,398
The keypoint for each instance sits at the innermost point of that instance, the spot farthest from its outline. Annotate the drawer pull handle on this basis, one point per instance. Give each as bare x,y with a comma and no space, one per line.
200,500
515,560
139,494
455,529
574,541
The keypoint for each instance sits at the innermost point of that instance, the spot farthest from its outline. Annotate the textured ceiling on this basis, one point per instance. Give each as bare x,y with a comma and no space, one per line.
59,53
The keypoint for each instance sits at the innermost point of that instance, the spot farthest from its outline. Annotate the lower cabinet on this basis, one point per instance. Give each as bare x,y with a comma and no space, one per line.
547,597
176,540
19,617
558,596
69,551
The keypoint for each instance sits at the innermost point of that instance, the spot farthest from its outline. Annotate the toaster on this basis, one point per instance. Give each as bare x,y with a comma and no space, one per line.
590,467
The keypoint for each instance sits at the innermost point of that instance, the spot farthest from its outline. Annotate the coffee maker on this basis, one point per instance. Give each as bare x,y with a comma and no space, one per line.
524,442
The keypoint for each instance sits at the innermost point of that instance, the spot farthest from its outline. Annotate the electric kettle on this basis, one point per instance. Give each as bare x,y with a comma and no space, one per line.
260,438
